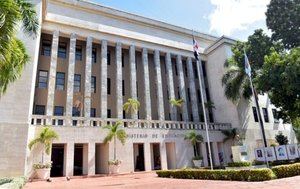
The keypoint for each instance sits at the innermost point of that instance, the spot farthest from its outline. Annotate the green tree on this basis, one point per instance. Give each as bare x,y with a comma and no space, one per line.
281,139
45,138
235,80
283,19
280,78
296,128
13,55
132,105
176,102
115,132
194,138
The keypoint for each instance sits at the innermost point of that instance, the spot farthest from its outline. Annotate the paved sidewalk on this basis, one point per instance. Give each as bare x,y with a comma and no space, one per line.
151,181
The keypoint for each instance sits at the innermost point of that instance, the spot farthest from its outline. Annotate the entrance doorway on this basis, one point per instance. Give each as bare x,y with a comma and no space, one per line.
171,155
102,157
78,159
138,155
155,156
57,158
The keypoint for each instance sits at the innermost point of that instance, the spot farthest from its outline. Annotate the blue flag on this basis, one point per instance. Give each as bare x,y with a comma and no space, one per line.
247,65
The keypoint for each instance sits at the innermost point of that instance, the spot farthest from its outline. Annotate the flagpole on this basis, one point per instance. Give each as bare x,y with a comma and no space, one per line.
203,108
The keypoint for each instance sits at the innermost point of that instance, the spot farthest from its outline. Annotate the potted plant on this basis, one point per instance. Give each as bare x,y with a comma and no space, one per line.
115,132
194,138
44,138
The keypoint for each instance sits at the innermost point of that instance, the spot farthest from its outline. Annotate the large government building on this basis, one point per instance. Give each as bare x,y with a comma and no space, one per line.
87,60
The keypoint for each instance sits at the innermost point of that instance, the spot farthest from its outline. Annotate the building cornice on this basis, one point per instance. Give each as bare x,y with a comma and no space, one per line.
222,40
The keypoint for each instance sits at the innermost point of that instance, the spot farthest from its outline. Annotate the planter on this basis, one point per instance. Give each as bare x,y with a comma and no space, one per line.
114,169
197,163
43,173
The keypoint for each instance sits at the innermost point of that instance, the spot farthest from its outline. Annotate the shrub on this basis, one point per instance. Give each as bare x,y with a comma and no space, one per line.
255,162
239,164
5,180
12,183
283,171
237,175
42,165
197,158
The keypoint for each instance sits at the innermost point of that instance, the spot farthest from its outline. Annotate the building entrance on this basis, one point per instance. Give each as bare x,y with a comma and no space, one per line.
78,159
57,158
155,158
139,159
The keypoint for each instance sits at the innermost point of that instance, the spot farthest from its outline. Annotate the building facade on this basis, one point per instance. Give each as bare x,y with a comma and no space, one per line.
87,60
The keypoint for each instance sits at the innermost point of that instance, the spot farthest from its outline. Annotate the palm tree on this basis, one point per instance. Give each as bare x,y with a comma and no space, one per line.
132,105
176,102
231,134
194,138
209,105
13,55
115,132
45,138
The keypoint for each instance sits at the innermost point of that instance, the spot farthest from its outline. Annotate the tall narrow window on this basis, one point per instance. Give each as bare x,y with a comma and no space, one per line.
46,48
93,89
43,79
108,113
58,110
60,81
203,68
189,95
93,112
275,116
175,65
266,115
185,68
255,114
199,95
78,52
39,110
62,50
108,86
94,55
108,57
123,87
195,70
123,59
77,83
178,93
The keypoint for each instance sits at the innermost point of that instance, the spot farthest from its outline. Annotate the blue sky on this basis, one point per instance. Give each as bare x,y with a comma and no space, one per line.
234,18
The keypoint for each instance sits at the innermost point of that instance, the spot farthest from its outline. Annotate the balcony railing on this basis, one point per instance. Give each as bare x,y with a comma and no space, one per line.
63,121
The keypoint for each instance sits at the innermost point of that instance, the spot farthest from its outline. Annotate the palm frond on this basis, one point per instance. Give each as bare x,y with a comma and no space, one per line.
121,135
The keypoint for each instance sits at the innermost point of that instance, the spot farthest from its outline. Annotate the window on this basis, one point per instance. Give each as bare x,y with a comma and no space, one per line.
108,113
58,110
175,65
123,56
39,110
255,114
211,117
189,95
124,114
108,57
181,119
42,79
62,50
199,95
123,87
108,86
77,82
192,118
203,68
195,70
185,68
78,53
275,115
137,89
93,84
60,81
75,112
207,94
178,93
94,55
46,48
266,115
93,112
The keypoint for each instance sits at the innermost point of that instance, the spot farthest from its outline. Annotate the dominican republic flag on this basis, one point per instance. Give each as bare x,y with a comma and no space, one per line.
247,65
196,49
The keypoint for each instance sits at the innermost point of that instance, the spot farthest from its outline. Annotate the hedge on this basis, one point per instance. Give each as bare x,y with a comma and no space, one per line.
236,175
283,171
12,183
239,164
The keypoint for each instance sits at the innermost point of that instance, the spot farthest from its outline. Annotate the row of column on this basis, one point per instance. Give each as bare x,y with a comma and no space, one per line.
133,79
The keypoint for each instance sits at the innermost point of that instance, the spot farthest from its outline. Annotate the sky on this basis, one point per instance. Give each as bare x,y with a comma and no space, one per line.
234,18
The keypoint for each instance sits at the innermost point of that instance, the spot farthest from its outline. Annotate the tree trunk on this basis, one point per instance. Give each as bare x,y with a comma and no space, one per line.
195,151
115,143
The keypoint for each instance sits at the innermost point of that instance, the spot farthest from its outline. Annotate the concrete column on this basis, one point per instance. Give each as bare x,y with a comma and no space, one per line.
201,77
70,85
147,99
204,154
91,158
119,95
52,74
193,94
181,83
88,77
215,151
103,95
69,159
170,81
163,156
133,88
147,156
158,84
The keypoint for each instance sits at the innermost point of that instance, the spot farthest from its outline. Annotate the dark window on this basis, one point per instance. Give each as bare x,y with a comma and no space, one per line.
192,118
124,114
58,110
137,90
43,79
93,90
195,70
189,95
138,113
46,48
199,95
93,112
255,114
62,50
203,68
78,53
178,93
108,86
275,115
168,94
175,68
123,59
211,117
181,117
75,112
39,110
108,57
60,81
108,113
94,55
123,87
77,82
185,68
207,94
266,115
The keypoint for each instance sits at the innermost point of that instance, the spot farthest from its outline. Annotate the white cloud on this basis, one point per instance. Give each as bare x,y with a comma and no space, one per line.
236,15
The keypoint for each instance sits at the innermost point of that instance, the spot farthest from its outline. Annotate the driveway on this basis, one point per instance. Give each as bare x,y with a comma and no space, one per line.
151,181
